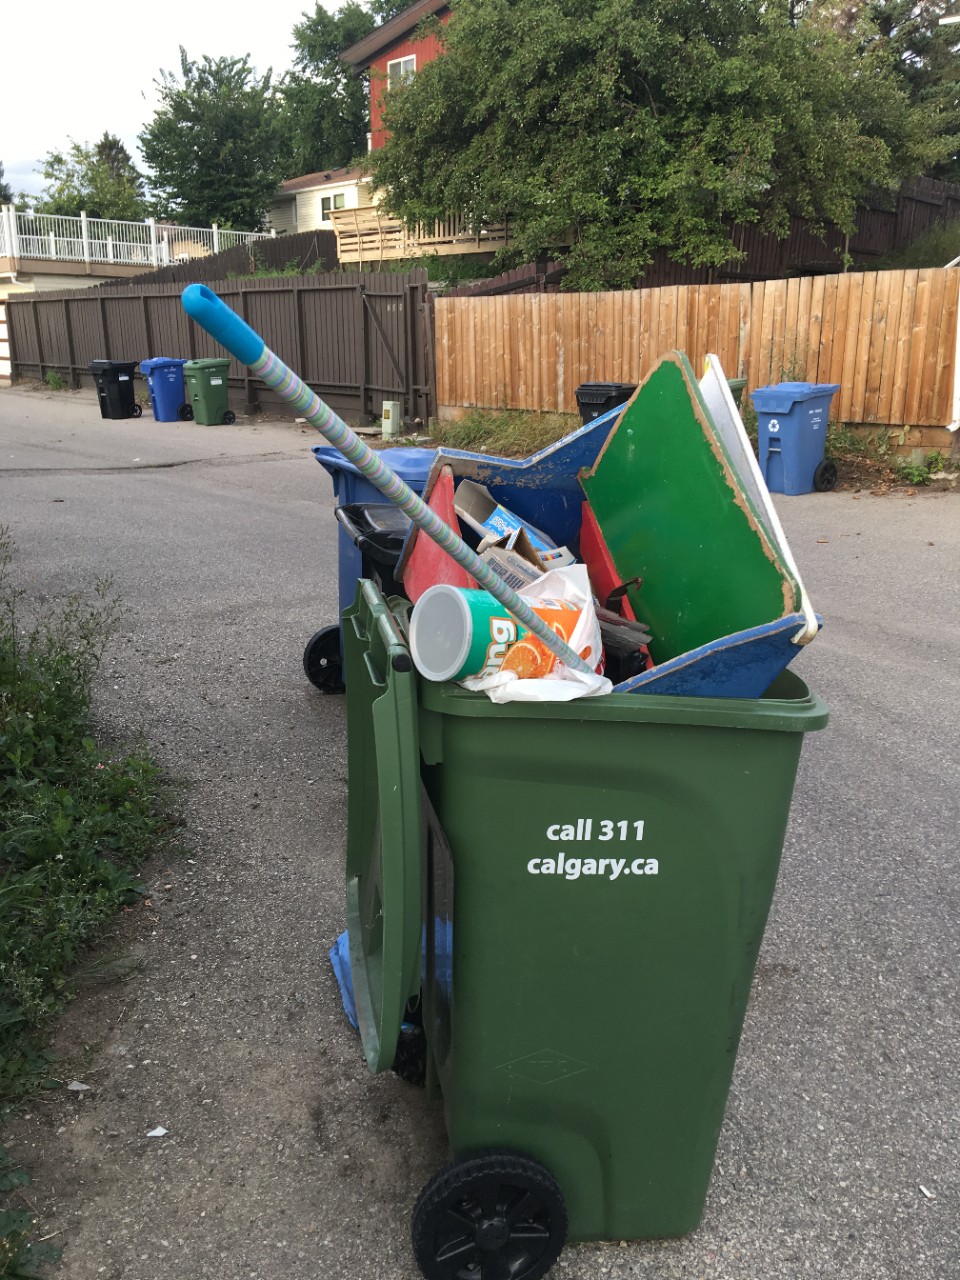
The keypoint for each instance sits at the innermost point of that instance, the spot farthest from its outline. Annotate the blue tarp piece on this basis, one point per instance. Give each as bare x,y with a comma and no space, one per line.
340,960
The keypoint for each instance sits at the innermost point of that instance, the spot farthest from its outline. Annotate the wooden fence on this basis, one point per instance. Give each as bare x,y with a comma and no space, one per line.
306,249
888,338
357,338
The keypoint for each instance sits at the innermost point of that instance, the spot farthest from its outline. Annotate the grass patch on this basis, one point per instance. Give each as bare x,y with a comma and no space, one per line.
76,822
510,433
935,247
865,459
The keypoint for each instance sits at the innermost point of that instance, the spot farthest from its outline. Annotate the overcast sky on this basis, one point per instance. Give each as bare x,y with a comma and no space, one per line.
92,68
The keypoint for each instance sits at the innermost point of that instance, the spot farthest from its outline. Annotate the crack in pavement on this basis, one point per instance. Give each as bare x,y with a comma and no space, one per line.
222,461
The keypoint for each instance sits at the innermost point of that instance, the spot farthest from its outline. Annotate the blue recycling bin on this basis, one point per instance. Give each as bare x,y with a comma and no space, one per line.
350,486
323,654
792,436
167,395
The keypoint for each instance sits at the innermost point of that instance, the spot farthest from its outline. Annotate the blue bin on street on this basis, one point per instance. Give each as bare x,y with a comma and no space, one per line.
323,655
167,395
792,436
350,486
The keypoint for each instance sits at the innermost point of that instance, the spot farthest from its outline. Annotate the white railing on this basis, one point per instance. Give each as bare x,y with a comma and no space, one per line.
105,240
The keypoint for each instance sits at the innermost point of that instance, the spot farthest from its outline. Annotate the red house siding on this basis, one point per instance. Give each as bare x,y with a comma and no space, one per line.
424,50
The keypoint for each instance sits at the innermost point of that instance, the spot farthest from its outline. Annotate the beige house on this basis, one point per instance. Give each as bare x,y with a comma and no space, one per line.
344,201
306,203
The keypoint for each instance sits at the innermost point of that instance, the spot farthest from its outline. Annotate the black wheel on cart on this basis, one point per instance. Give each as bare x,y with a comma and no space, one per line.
825,476
229,416
493,1215
136,411
322,662
185,413
410,1064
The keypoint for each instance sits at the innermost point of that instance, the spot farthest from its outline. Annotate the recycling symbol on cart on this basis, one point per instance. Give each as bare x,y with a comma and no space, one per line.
545,1067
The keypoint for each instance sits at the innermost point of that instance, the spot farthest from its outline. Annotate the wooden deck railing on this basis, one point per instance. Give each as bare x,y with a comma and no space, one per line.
365,237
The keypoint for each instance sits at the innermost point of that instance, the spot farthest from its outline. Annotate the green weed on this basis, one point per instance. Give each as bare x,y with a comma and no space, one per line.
935,247
919,473
262,272
20,1257
75,821
511,433
748,416
844,442
448,270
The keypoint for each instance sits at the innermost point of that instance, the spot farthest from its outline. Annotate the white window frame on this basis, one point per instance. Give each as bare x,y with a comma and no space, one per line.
335,201
406,70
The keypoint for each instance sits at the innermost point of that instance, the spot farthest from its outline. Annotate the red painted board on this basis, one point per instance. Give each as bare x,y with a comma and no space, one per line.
427,564
595,555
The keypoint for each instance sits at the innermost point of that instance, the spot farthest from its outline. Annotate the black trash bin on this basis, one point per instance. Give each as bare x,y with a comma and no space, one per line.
377,530
114,379
595,398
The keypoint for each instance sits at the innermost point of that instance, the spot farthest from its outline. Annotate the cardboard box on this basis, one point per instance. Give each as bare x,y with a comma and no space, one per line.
514,558
474,504
517,565
556,558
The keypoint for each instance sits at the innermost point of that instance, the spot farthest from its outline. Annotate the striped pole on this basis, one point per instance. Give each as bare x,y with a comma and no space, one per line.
240,340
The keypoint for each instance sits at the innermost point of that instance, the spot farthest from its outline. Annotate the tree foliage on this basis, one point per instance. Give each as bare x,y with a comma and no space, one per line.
99,180
622,128
926,57
326,106
214,143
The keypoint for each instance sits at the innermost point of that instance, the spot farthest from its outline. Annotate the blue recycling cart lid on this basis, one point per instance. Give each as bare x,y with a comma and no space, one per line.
160,362
411,465
782,397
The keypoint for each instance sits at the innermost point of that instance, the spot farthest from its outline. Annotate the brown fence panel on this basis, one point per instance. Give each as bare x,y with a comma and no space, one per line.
302,250
888,338
357,338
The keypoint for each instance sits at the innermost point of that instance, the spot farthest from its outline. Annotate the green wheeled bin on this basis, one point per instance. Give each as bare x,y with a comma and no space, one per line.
575,894
207,389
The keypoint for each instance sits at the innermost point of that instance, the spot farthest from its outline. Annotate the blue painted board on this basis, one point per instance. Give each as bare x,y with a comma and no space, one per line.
542,489
743,665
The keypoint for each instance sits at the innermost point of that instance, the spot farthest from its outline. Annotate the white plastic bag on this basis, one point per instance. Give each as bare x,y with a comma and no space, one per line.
563,684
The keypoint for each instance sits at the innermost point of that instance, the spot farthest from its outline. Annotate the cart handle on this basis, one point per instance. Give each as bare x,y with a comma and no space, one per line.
213,315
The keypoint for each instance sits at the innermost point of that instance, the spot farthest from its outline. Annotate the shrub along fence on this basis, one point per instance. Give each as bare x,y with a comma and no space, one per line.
888,338
357,338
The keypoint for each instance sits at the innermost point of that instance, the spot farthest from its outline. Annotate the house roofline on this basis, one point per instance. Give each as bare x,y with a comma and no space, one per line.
360,55
323,178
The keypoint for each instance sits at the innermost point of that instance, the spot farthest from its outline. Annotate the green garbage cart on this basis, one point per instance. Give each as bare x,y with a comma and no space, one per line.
574,895
207,389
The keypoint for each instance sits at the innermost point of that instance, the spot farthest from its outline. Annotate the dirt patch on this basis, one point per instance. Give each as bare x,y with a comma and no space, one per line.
879,476
859,471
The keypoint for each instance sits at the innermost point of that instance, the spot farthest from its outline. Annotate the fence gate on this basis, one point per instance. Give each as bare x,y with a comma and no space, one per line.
356,338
